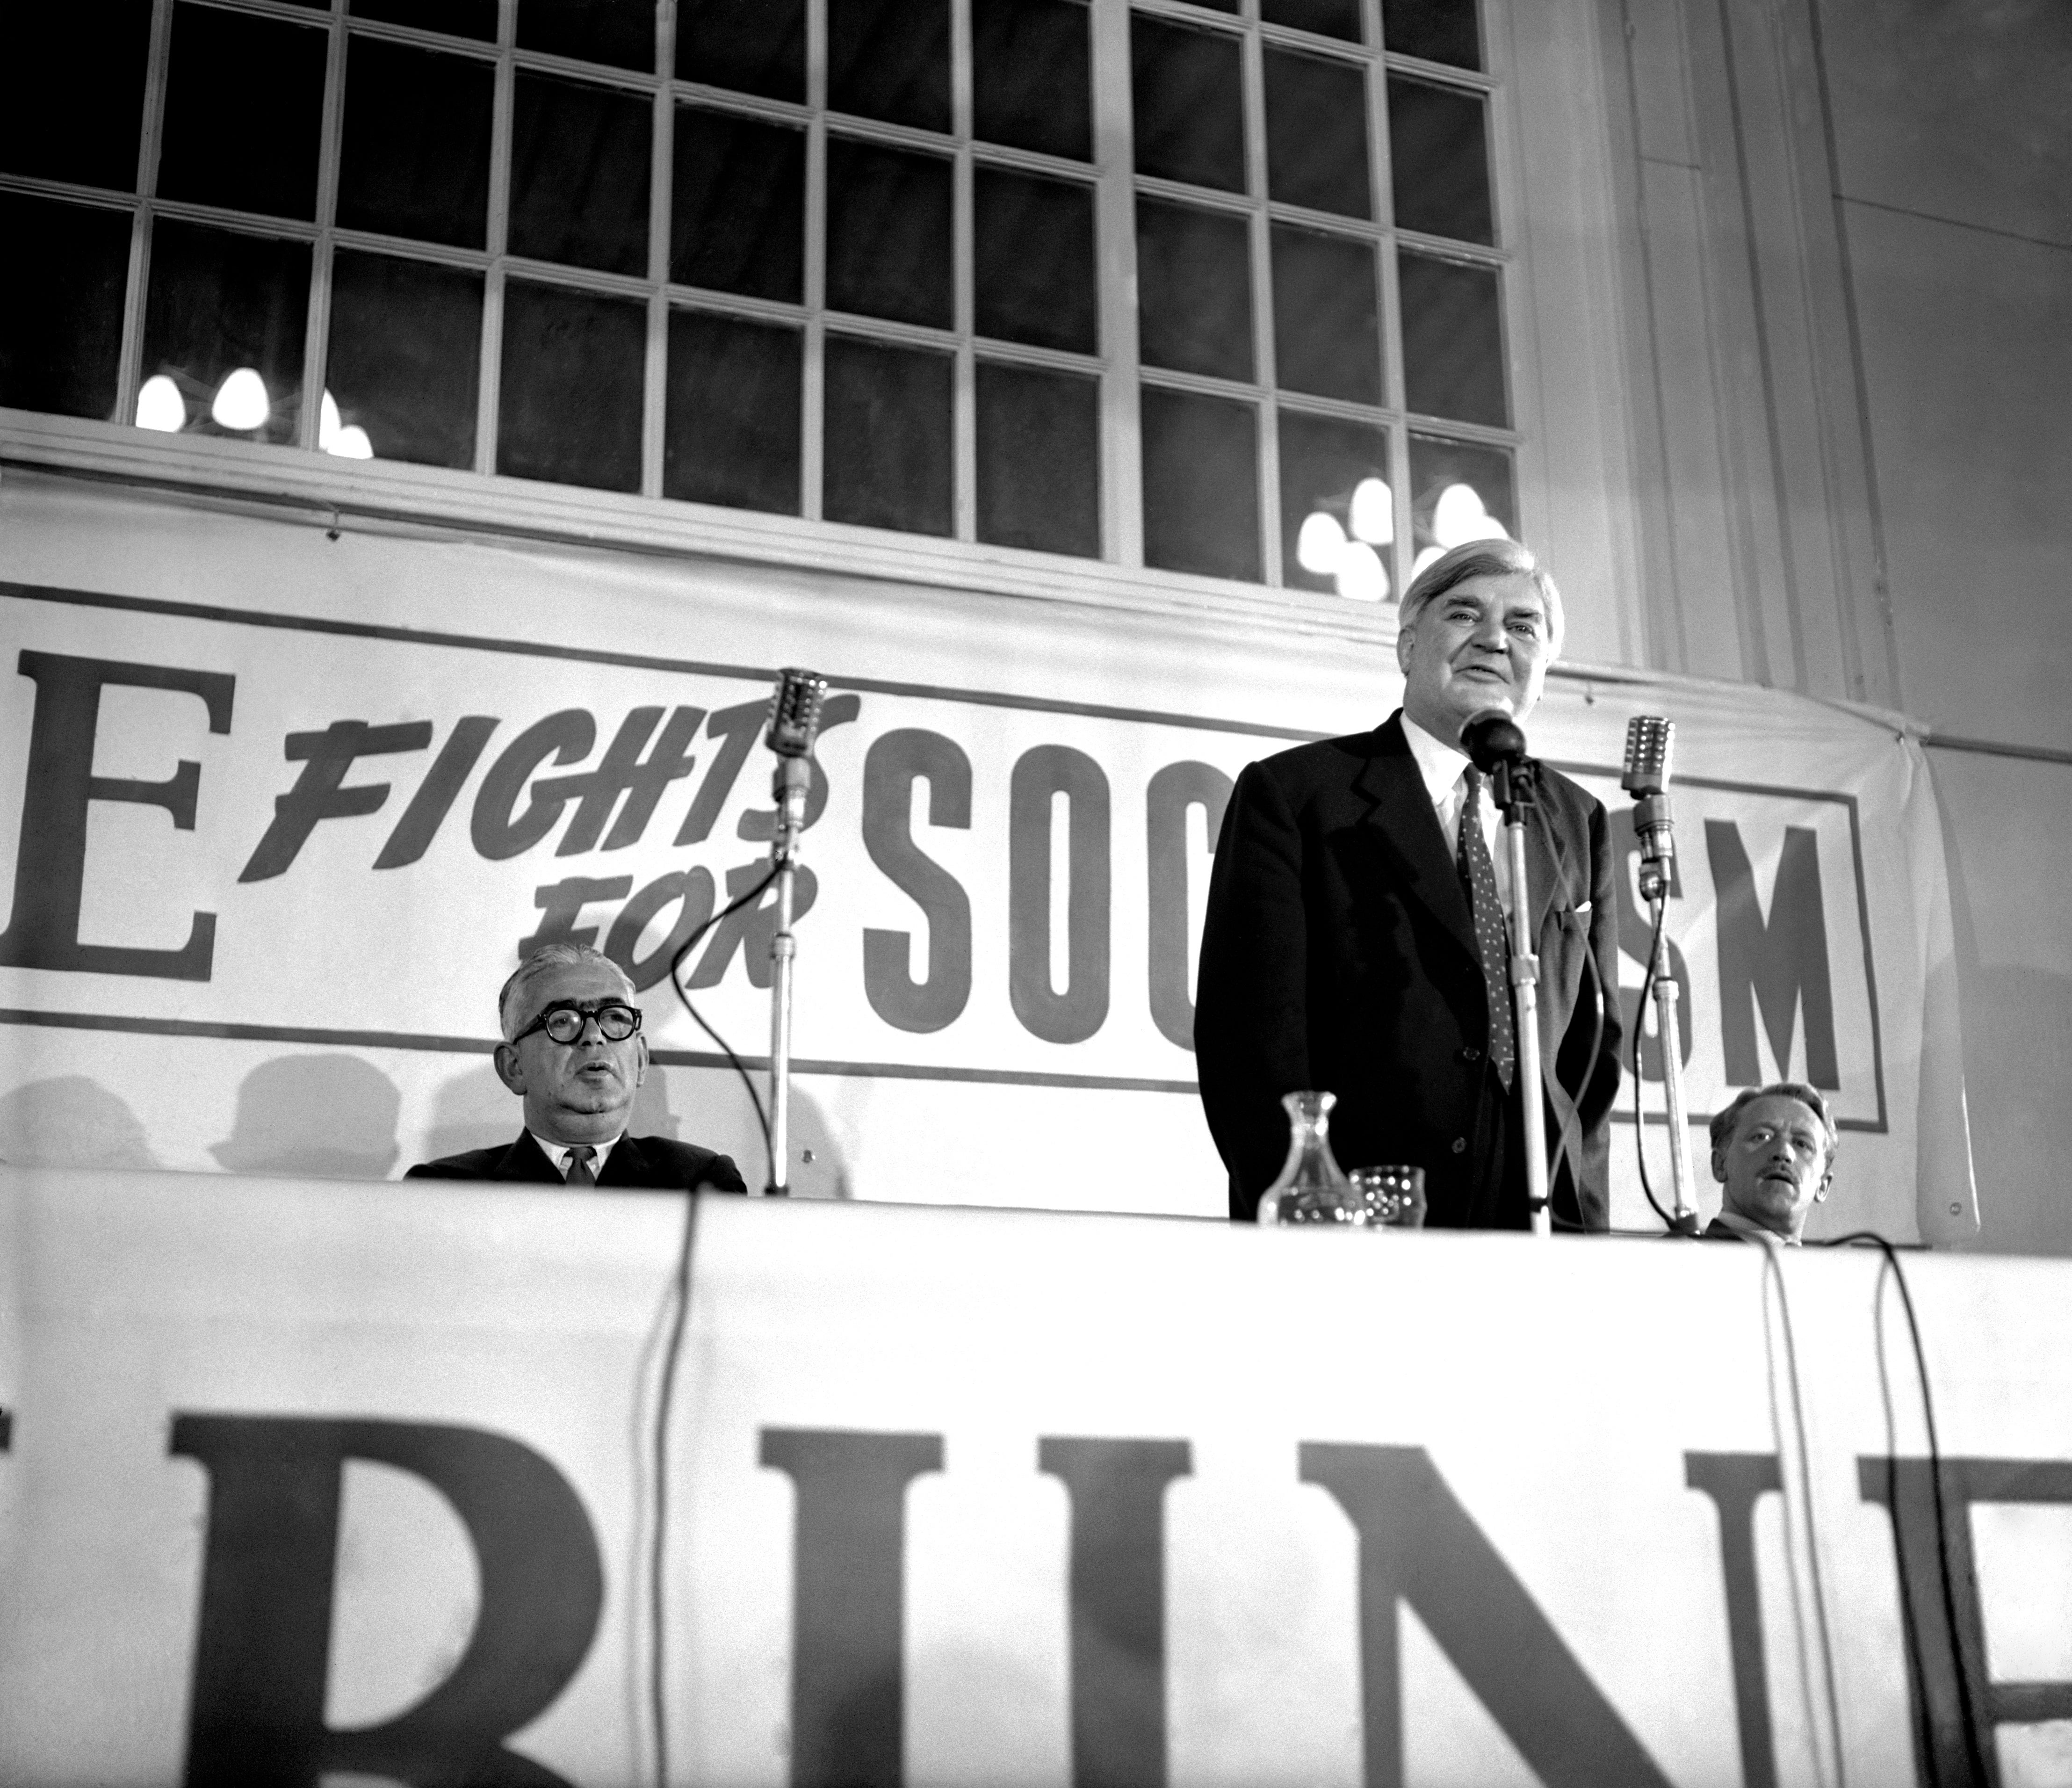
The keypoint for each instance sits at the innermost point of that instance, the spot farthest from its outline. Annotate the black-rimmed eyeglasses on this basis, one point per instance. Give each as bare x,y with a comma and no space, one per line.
565,1021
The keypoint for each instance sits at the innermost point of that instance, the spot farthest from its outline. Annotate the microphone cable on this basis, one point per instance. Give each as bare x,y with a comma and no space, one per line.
678,1306
1565,1144
1639,1032
1773,1272
1974,1747
698,1017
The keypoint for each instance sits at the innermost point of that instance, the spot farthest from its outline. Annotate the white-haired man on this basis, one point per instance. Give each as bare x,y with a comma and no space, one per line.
573,1051
1354,938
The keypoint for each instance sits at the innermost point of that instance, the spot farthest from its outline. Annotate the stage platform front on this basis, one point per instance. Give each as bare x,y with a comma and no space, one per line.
318,1480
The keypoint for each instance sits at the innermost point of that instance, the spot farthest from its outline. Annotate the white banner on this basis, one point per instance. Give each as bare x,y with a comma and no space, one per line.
304,1482
290,794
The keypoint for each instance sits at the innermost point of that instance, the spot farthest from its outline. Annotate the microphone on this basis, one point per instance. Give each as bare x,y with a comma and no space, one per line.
1492,737
795,712
1648,738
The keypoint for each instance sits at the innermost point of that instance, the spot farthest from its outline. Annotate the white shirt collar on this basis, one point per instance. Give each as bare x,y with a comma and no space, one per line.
1439,764
557,1153
1754,1231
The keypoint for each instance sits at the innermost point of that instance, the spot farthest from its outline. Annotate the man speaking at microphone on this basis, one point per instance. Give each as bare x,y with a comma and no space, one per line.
1355,940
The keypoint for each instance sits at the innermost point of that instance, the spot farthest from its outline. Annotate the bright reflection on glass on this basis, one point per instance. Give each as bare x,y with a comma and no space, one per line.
335,435
1430,554
160,406
1459,516
1320,544
1360,574
241,403
1373,516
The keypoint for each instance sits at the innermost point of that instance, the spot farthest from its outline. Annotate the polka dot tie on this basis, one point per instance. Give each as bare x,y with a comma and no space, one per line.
582,1154
1478,881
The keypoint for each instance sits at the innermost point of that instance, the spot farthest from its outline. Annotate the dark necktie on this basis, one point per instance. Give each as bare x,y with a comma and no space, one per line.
582,1154
1478,881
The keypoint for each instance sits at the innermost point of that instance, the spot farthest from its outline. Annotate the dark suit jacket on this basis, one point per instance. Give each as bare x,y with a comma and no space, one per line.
1337,953
651,1162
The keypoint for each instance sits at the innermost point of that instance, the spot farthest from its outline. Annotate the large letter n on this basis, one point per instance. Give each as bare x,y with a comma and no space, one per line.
1417,1544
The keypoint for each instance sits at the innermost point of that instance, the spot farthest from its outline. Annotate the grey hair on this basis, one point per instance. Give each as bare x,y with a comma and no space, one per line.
1485,559
510,998
1728,1117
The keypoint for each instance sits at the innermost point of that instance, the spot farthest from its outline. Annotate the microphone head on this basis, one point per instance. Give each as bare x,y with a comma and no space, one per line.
1492,737
795,712
1648,738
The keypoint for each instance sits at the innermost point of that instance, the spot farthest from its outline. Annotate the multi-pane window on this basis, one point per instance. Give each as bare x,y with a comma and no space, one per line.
1003,271
1319,290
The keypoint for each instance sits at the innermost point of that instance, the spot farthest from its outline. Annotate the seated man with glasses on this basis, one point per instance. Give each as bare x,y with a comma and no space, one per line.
572,1051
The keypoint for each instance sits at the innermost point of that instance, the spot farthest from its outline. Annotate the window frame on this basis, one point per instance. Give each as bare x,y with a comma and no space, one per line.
482,498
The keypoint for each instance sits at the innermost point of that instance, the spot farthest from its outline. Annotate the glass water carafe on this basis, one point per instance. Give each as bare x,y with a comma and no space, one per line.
1312,1188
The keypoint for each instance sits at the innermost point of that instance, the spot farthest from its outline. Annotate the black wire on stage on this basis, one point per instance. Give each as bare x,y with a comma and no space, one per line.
1973,1749
1639,1031
657,1591
698,1017
679,1294
1573,1127
1773,1276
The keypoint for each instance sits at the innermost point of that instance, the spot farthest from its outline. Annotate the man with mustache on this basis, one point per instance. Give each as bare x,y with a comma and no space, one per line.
573,1051
1773,1156
1354,938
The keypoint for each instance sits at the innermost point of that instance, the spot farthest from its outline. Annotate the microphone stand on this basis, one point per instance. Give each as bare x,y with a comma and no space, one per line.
788,785
1510,787
1654,890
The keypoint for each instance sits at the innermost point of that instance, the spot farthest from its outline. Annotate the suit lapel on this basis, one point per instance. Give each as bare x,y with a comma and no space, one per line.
1403,813
526,1160
626,1165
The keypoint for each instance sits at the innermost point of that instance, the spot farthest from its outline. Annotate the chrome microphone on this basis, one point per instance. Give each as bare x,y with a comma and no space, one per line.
1648,739
795,712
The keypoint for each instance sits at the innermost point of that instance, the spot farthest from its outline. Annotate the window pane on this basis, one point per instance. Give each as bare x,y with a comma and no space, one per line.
756,48
888,437
570,407
1453,340
733,430
579,174
617,33
890,59
415,157
1031,86
1034,254
740,198
888,233
475,18
220,301
1323,461
1439,30
406,355
1483,478
1188,103
1316,134
1039,460
56,125
1440,161
260,154
1193,285
1201,484
61,332
1326,315
1338,18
